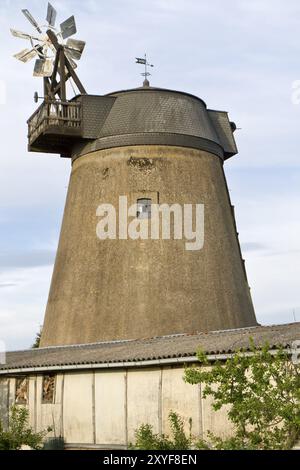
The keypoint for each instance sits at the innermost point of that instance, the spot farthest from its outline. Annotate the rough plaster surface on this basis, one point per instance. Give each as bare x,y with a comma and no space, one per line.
118,289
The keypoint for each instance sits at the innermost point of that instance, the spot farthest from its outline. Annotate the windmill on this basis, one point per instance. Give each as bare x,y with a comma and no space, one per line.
55,53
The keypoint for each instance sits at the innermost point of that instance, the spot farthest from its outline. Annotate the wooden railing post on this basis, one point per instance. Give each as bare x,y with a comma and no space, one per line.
54,114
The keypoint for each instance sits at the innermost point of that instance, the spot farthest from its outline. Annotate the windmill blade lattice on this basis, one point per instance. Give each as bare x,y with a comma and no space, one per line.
42,48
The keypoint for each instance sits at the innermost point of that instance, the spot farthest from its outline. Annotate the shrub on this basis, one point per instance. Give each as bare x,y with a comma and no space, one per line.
19,432
146,439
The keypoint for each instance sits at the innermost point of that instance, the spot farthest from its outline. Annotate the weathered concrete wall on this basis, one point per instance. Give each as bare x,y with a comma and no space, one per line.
119,289
78,408
182,398
110,408
4,401
104,408
215,421
143,387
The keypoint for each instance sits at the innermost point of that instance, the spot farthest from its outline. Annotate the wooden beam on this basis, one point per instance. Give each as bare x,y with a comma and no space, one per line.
57,86
47,85
53,39
55,69
62,72
70,69
75,77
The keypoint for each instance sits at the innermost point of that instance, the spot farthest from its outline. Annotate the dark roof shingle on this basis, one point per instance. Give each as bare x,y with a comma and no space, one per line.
169,347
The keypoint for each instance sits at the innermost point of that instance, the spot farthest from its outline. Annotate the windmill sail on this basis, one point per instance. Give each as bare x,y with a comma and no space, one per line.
32,20
75,48
68,28
51,15
26,55
21,35
52,41
43,68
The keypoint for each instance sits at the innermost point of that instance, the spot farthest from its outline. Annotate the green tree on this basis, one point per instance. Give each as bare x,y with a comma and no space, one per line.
19,432
262,390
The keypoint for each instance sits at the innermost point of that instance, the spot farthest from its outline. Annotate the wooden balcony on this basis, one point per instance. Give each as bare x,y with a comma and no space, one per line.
55,127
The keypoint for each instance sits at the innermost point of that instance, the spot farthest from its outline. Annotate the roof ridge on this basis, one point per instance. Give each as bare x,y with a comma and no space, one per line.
155,338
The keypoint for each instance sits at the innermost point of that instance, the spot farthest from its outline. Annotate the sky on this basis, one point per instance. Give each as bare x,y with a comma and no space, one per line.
242,56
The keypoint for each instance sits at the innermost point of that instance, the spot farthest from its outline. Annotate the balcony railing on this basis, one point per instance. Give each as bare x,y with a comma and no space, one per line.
55,117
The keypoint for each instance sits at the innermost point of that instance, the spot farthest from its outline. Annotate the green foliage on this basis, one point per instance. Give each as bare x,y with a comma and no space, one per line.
146,439
262,391
19,432
37,341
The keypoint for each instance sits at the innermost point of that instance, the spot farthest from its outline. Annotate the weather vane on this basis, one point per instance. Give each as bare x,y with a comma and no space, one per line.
145,74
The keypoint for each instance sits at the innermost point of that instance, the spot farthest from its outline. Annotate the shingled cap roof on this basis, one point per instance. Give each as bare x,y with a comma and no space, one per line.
178,347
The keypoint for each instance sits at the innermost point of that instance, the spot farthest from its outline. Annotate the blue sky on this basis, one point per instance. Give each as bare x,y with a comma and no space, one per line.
240,55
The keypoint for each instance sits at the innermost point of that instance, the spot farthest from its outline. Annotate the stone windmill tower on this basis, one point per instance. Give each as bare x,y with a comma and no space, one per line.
154,146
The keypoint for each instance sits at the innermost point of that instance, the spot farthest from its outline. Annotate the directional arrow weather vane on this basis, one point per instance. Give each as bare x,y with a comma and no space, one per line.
144,62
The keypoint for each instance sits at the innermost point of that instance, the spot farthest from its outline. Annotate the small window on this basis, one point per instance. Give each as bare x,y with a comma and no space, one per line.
21,397
48,389
144,208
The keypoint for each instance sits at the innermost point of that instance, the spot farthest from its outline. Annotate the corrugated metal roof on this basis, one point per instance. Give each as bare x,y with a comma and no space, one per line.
169,347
